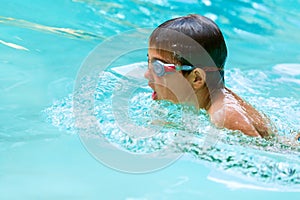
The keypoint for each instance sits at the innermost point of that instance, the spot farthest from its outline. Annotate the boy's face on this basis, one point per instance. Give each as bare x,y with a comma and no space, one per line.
169,86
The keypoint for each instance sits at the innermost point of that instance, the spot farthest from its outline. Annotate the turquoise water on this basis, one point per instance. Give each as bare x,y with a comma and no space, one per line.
43,45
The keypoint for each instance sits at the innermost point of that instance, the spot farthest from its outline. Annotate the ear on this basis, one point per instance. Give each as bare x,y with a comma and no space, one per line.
197,78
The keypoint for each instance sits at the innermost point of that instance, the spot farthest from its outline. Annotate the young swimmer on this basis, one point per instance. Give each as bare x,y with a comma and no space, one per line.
186,59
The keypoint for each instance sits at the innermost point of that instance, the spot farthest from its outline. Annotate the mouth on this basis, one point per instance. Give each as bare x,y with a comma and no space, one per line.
154,94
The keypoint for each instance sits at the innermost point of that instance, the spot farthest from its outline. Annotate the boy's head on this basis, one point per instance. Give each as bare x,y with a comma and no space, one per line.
184,40
194,41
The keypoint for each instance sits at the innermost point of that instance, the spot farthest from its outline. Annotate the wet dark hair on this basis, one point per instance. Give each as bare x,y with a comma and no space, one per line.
201,31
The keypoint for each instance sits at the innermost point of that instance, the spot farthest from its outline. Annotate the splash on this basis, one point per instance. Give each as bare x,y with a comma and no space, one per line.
274,162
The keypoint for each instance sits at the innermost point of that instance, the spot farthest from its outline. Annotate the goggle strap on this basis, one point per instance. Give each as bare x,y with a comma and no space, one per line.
169,68
185,68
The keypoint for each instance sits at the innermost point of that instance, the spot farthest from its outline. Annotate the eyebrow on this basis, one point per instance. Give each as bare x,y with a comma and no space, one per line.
155,58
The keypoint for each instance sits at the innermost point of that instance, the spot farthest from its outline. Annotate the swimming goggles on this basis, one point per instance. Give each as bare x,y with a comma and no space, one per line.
160,68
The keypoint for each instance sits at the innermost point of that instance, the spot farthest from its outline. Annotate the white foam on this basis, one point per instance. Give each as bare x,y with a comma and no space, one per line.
291,80
292,69
135,70
234,185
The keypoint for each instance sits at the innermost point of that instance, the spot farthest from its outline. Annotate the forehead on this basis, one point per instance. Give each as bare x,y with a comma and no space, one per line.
166,56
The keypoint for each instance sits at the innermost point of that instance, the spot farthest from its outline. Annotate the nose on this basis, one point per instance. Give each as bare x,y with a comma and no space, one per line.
148,75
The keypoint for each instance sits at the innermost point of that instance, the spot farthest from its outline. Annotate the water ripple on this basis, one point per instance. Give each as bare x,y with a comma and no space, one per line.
68,32
12,45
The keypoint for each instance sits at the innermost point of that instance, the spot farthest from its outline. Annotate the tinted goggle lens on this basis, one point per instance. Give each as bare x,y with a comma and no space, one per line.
160,68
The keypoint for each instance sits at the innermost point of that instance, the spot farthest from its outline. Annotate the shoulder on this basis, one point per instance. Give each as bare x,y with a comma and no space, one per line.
235,118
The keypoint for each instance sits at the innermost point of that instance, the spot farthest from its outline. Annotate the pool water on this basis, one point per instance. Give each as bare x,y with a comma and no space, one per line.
43,45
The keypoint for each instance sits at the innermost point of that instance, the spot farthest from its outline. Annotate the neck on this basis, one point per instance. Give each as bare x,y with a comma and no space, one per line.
206,97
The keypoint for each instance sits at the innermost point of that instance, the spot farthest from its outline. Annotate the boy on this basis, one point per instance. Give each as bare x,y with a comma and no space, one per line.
186,58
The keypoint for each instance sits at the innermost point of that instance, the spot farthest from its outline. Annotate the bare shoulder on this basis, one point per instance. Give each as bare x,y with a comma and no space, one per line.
235,118
236,114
